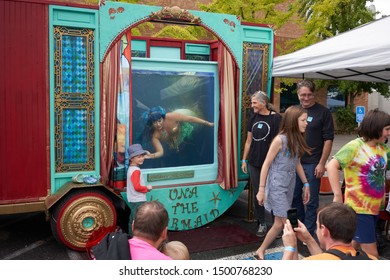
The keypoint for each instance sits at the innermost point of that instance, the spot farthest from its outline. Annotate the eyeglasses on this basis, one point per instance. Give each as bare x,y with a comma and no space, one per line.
306,95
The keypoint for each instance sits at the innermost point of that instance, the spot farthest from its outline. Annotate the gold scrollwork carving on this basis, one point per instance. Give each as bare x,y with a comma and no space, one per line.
175,14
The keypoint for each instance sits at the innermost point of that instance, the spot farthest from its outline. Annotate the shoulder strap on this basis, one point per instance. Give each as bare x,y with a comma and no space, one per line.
360,255
337,253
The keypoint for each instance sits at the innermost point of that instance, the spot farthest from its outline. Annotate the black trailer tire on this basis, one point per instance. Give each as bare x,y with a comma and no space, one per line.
79,214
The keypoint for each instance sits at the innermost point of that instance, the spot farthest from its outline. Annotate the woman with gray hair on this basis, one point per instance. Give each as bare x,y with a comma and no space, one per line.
262,127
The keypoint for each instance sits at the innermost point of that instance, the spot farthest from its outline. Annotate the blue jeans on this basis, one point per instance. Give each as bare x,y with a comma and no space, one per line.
308,217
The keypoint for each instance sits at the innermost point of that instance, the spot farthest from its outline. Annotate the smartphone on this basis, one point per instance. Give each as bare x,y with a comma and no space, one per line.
293,217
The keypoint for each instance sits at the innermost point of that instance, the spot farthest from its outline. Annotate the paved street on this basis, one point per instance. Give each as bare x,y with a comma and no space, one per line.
28,237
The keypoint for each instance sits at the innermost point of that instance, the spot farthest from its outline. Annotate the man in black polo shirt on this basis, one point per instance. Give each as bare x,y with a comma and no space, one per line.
319,137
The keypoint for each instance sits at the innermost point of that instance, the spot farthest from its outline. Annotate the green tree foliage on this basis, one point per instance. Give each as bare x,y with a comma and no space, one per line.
256,11
345,120
327,18
173,31
200,33
353,89
184,32
145,27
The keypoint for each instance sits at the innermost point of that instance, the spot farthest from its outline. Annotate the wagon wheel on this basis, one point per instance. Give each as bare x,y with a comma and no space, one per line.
80,214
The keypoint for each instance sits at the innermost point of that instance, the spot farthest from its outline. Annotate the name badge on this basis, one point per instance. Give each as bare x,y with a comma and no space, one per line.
309,119
260,126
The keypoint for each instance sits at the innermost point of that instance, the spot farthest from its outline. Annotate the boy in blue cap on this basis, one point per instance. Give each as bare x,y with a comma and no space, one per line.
136,188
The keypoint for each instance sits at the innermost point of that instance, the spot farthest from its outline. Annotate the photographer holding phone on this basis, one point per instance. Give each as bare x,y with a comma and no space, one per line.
336,224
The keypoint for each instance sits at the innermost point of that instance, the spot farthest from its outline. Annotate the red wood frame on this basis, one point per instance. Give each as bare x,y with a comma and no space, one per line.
24,102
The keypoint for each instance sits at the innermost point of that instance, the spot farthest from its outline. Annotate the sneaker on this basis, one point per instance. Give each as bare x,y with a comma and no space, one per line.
262,231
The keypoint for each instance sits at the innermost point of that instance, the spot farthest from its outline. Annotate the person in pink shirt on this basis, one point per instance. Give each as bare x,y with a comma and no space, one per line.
150,228
136,188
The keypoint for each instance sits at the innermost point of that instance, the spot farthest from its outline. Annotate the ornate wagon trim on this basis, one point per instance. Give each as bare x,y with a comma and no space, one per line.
175,14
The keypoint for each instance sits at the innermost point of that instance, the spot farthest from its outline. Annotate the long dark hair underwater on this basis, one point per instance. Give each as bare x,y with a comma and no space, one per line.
149,117
296,140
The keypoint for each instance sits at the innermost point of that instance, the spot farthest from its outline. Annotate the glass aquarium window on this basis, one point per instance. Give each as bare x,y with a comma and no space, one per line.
190,94
180,90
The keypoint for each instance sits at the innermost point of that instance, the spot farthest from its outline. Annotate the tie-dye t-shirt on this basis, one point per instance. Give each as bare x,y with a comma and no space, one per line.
364,172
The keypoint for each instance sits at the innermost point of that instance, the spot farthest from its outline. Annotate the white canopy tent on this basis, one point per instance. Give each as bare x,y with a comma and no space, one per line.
361,54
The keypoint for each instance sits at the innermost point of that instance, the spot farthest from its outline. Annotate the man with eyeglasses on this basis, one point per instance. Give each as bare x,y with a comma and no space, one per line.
319,137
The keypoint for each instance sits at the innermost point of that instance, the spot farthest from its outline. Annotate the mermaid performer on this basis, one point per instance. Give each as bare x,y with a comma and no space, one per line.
172,127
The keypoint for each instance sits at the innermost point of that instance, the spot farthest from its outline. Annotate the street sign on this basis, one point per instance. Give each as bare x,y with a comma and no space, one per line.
360,112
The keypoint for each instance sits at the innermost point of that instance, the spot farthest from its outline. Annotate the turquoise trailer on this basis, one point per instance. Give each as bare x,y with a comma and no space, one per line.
104,78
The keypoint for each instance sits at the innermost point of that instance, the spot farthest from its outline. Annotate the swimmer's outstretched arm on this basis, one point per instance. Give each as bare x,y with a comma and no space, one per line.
158,148
184,118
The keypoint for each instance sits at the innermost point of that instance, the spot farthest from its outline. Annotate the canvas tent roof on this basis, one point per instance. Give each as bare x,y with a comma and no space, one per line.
361,54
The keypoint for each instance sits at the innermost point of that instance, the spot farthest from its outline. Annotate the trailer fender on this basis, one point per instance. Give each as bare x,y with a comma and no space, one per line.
51,200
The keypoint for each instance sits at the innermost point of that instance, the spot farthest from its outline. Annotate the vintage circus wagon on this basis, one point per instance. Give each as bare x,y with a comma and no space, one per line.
75,85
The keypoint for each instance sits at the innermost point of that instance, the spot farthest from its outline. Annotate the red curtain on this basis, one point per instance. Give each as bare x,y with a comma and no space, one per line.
108,105
228,132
